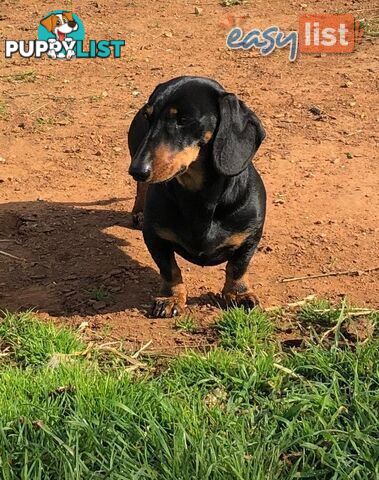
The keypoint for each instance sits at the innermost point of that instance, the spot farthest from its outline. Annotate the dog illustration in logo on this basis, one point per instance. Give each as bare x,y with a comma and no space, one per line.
60,25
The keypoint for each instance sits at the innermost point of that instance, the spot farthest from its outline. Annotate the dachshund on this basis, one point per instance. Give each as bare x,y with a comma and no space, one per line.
191,148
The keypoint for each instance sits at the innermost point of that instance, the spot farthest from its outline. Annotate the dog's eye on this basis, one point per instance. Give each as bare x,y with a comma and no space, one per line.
59,22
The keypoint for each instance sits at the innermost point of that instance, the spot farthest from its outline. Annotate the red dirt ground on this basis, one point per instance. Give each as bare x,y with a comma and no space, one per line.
66,196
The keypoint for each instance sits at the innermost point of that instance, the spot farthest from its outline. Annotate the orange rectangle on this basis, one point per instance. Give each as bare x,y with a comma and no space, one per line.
326,33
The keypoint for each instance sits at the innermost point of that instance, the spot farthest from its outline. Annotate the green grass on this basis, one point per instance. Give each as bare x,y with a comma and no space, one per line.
231,3
33,343
245,410
45,121
3,110
95,98
320,313
186,324
99,293
370,26
29,76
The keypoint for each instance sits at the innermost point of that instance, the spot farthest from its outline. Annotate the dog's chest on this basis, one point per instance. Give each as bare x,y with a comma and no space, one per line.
204,240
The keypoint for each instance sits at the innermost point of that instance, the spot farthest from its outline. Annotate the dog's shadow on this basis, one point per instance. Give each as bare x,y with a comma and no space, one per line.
68,259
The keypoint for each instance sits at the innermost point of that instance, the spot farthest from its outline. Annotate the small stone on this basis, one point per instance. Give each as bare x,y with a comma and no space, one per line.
352,104
117,149
99,305
315,110
198,11
98,153
167,34
116,289
135,93
63,121
116,271
2,160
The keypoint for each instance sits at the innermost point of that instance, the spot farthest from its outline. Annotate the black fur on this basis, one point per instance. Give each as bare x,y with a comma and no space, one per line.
232,196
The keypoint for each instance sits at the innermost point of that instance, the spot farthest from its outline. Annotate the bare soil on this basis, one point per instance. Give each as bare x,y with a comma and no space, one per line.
66,196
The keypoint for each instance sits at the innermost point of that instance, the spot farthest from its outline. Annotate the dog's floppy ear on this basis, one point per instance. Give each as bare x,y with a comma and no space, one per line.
69,16
238,136
48,22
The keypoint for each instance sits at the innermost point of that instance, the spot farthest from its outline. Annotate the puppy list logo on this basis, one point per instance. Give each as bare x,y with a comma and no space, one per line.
61,36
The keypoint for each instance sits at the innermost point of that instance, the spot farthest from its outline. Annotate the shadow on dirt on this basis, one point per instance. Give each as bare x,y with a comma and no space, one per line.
72,259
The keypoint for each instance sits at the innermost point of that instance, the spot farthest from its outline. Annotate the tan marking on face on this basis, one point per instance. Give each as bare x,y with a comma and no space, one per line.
173,111
235,240
207,136
167,163
193,178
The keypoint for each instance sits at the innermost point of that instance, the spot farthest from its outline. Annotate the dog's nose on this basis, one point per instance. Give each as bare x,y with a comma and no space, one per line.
141,174
72,23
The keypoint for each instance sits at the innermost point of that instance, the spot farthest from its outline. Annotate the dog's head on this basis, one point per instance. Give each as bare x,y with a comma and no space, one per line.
184,115
60,24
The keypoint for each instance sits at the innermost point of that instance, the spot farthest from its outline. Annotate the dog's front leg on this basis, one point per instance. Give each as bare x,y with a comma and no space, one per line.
173,299
139,205
237,290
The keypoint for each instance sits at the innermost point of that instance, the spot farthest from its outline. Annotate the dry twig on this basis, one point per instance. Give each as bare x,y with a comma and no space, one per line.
300,303
144,347
6,254
329,274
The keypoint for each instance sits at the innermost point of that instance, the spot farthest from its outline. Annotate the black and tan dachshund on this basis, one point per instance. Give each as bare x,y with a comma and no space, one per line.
191,147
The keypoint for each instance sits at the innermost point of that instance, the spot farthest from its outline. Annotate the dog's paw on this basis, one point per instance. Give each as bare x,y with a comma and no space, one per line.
138,220
167,307
245,299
